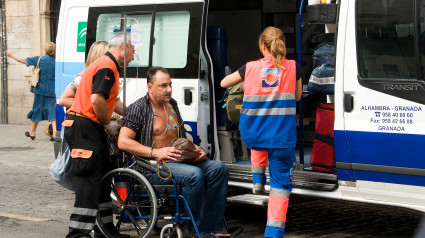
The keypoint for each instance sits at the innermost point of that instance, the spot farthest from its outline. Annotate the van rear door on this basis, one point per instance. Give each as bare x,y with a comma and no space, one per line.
171,35
384,96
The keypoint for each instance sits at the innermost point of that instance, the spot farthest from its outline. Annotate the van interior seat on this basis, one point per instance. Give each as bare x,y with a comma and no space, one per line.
217,48
383,57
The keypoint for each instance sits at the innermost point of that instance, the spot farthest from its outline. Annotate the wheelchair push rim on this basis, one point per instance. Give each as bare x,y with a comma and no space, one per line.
135,210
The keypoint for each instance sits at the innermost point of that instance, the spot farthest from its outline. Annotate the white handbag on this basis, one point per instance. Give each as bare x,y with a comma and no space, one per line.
35,74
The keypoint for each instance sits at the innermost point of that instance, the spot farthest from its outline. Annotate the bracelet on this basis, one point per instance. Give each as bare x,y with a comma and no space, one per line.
150,153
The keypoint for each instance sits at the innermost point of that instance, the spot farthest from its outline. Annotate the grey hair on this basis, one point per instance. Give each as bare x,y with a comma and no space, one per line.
118,40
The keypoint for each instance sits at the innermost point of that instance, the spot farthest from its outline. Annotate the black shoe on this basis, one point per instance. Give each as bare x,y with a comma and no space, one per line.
27,134
52,139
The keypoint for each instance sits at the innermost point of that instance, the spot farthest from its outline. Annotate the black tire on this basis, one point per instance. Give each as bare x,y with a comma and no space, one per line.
140,210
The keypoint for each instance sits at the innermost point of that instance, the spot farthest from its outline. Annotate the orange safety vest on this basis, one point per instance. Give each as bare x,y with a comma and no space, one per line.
82,102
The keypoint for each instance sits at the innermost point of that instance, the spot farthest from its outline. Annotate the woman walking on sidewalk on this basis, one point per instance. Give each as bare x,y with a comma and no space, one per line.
44,93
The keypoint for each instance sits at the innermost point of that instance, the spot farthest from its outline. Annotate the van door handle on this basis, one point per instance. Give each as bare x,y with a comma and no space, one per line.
187,97
348,102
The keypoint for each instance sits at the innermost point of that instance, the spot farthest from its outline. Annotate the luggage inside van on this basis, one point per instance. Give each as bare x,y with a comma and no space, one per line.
322,157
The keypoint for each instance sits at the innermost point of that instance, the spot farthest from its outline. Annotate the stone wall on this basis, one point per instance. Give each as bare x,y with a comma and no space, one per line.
25,38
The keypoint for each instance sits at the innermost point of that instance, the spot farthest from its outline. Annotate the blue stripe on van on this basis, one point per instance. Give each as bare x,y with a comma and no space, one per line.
387,149
390,149
341,155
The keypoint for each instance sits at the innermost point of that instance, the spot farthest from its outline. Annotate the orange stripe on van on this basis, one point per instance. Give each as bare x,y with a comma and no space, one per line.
80,153
278,206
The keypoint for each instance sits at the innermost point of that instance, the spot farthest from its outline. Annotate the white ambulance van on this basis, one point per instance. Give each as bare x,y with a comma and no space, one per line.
379,88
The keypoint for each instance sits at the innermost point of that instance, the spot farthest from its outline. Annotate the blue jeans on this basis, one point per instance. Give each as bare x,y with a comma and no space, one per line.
204,186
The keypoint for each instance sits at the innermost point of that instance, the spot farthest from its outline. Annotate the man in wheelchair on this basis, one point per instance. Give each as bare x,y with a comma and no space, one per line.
149,127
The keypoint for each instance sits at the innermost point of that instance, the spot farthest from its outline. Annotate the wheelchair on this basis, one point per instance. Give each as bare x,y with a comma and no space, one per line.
140,205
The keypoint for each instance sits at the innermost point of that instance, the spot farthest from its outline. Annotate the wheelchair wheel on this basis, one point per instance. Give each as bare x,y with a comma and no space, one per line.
168,231
136,211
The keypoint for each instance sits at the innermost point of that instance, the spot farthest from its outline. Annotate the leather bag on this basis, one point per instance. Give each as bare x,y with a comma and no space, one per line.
35,74
188,150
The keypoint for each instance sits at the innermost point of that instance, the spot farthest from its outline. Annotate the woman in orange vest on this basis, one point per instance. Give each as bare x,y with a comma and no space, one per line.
272,85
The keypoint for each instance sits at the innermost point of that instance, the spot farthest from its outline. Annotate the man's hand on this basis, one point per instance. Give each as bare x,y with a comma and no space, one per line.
112,128
202,155
166,153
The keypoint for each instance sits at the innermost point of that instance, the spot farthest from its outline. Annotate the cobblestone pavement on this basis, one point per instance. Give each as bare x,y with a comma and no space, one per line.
27,189
26,186
330,219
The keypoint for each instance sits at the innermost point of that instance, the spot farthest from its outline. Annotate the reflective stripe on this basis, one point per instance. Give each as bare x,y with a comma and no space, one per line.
84,211
105,206
107,219
280,192
268,111
276,223
258,169
269,97
81,225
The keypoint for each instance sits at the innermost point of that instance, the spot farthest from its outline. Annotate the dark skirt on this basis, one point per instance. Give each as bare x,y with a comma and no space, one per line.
43,108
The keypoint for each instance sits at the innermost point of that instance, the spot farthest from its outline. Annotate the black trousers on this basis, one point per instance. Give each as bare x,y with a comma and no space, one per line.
90,161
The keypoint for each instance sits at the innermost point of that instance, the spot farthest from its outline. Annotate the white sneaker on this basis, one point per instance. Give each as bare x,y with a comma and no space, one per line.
258,189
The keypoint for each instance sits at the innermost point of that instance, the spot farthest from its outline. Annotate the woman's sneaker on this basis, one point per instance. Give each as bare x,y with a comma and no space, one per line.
258,189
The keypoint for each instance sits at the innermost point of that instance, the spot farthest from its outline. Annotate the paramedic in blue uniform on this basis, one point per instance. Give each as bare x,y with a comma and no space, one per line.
272,85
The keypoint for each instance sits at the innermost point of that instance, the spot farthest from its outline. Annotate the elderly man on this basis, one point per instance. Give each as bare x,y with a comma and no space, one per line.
85,125
151,123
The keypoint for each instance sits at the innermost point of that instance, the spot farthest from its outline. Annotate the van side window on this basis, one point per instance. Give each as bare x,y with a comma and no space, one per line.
106,27
385,40
171,42
171,39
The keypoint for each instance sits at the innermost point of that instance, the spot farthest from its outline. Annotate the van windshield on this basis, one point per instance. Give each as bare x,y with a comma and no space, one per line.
386,39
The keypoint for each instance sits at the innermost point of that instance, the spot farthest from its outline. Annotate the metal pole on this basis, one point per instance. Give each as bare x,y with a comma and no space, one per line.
125,63
300,103
4,66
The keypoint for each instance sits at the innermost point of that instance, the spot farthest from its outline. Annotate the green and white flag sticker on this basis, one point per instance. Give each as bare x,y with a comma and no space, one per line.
81,40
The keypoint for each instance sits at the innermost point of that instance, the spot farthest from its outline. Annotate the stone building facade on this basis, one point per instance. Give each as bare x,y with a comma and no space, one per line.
29,24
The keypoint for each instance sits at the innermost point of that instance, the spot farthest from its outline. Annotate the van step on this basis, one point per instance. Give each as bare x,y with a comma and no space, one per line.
302,179
250,199
315,175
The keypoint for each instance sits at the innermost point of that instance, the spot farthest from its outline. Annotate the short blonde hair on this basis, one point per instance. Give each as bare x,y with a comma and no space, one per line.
97,49
274,41
50,48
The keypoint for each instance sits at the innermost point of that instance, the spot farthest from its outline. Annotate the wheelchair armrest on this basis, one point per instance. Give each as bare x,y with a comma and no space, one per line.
145,164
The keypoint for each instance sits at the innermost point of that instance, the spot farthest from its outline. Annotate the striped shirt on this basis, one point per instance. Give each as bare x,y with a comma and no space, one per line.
139,118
